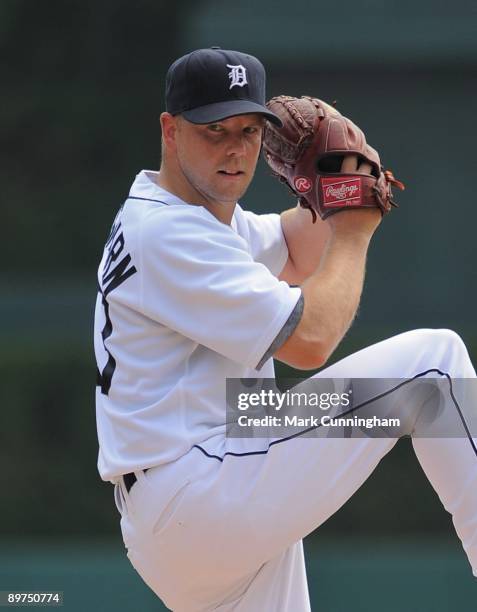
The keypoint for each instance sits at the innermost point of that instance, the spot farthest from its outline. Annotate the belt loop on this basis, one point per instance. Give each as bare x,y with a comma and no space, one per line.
118,498
125,496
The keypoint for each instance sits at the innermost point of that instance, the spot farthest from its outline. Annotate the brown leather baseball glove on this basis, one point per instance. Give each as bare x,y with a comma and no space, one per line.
307,153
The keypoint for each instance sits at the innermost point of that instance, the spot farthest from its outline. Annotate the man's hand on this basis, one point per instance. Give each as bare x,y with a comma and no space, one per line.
307,242
355,221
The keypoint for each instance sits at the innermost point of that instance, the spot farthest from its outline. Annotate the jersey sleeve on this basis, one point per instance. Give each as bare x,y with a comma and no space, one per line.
266,240
197,277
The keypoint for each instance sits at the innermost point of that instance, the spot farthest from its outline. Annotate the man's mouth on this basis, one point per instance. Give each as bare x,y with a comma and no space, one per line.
231,173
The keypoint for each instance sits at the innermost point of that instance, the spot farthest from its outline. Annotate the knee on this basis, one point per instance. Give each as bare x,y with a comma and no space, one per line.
446,348
433,338
448,337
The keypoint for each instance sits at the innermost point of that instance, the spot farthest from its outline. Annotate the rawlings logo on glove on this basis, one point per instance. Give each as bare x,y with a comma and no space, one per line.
308,151
342,193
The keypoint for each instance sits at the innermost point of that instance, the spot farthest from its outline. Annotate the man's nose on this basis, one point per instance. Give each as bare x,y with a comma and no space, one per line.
236,145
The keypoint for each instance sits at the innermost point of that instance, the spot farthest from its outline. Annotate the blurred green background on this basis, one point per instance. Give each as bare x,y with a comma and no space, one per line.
82,90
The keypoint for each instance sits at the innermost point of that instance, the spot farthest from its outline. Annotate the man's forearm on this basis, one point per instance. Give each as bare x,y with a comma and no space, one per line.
332,293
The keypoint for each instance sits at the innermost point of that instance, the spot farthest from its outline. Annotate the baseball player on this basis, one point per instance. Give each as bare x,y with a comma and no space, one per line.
195,290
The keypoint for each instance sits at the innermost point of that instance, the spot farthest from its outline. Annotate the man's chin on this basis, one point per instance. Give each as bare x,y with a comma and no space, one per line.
231,196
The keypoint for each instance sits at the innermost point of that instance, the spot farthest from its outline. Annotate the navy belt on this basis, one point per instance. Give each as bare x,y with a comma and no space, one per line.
130,479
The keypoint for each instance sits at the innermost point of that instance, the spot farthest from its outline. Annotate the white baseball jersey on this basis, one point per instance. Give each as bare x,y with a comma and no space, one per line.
216,523
184,303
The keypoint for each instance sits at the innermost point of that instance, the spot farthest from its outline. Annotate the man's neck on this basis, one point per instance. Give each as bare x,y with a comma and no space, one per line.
222,212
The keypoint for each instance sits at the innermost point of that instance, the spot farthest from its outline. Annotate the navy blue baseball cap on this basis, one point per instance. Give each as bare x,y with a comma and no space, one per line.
209,85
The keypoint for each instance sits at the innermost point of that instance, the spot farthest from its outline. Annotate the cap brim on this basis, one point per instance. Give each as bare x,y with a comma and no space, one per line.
231,108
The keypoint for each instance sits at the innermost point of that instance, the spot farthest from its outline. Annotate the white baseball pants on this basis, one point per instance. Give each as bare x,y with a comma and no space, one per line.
222,534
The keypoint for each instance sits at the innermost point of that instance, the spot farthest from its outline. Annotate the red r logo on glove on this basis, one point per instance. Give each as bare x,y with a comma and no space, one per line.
303,184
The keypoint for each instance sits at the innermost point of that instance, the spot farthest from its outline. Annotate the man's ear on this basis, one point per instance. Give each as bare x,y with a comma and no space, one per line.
169,129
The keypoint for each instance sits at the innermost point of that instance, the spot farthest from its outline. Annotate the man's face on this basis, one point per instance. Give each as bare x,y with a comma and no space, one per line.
218,159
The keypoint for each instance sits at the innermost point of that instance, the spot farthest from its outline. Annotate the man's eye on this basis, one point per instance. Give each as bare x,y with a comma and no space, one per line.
251,130
214,127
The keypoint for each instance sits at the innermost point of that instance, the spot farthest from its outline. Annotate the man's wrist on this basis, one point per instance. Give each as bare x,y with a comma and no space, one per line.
357,240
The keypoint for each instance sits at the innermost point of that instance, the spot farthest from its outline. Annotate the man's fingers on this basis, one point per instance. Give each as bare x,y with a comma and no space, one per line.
349,164
365,168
